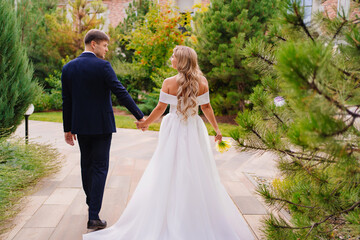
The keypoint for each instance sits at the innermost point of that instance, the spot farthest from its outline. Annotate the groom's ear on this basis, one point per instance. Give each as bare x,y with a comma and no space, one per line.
92,44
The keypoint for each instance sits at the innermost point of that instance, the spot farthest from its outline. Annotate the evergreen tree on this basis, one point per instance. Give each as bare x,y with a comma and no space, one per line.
31,19
17,90
307,111
221,33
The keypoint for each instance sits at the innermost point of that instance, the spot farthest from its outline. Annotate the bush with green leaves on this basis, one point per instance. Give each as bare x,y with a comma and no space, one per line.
131,75
307,112
153,40
51,98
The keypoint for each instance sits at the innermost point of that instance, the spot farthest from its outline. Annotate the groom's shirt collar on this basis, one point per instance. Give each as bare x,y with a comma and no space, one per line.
89,52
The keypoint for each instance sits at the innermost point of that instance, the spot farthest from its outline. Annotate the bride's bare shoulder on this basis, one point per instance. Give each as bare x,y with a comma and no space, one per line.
203,85
170,80
169,85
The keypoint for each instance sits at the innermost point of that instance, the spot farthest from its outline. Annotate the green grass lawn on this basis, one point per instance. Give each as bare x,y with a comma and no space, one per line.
21,167
127,122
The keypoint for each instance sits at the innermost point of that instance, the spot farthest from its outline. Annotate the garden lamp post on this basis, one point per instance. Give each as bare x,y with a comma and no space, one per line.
27,114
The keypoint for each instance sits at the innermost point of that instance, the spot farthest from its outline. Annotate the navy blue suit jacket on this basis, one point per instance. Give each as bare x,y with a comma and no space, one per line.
87,83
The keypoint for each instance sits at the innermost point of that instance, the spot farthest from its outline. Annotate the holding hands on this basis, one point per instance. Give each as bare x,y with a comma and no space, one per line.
141,124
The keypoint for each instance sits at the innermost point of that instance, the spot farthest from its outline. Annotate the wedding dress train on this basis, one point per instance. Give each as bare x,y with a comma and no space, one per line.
180,196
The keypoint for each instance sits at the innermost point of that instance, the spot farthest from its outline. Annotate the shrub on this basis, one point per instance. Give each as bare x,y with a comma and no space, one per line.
17,87
21,167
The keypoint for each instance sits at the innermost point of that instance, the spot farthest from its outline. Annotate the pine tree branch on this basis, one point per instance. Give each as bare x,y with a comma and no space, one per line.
292,203
313,86
332,215
357,204
307,169
278,118
258,135
311,158
301,22
285,152
263,58
341,131
339,29
251,147
281,38
356,21
337,104
346,73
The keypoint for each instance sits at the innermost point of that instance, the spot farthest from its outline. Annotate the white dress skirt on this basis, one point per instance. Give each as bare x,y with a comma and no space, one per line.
180,196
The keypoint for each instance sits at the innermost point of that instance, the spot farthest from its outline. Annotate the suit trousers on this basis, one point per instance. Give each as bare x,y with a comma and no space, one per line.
94,150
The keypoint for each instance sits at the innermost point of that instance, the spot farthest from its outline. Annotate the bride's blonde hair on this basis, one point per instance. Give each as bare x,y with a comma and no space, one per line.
188,80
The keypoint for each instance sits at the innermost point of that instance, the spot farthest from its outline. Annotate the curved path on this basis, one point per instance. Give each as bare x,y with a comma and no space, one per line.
57,210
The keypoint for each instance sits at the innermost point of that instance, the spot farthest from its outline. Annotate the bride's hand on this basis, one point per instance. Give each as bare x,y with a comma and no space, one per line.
218,136
141,125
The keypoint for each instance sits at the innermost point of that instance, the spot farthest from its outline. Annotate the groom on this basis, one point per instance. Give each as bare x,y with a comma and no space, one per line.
87,83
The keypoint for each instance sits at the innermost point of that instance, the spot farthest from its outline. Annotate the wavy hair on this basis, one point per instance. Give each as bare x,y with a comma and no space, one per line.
188,79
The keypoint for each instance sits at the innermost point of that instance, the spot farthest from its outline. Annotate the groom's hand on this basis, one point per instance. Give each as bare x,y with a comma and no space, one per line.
69,138
138,124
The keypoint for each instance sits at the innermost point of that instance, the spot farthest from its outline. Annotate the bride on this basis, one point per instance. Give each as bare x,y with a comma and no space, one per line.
180,196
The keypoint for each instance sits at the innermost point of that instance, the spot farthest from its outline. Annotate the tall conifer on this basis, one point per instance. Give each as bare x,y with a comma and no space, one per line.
221,33
17,89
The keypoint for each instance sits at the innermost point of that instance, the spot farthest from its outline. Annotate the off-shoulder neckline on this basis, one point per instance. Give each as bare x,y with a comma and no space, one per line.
176,96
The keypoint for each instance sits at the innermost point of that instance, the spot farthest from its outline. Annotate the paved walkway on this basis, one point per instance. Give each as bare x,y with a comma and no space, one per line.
57,209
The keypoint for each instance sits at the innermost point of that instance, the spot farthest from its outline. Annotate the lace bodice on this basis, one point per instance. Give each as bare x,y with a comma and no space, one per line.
172,100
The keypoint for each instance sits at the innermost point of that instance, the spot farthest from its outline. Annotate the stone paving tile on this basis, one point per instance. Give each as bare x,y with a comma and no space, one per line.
141,164
114,203
46,187
34,234
132,188
228,175
62,196
78,207
255,223
47,216
247,183
236,189
114,181
67,167
76,171
261,165
32,204
18,223
249,205
70,228
71,181
124,167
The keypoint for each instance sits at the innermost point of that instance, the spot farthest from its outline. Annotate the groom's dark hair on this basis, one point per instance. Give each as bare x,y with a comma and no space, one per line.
95,35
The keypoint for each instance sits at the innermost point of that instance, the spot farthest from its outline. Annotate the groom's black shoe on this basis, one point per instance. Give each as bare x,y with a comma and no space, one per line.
96,224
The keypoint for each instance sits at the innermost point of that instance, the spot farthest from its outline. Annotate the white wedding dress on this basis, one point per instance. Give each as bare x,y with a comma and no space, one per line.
180,196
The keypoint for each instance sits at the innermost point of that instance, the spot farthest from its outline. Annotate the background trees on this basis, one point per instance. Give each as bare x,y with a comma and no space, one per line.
221,33
31,20
65,34
316,71
135,14
17,88
145,43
